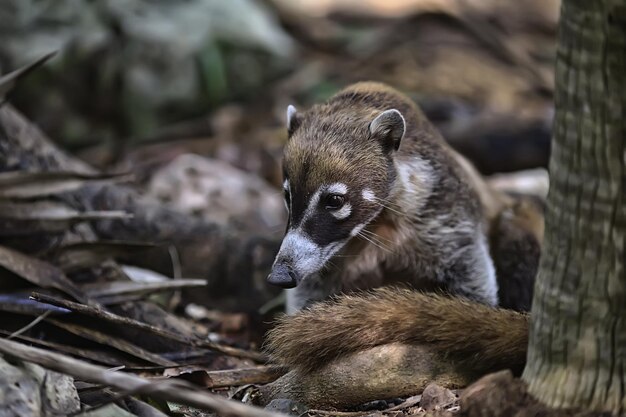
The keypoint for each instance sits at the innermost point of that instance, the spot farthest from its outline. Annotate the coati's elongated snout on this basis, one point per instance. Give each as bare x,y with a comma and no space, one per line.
284,275
301,256
336,180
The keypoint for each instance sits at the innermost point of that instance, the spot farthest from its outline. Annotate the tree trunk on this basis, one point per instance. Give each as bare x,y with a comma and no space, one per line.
577,347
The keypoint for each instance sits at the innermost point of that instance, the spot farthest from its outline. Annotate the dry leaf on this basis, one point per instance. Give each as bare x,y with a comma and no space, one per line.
87,254
39,273
8,81
26,218
21,185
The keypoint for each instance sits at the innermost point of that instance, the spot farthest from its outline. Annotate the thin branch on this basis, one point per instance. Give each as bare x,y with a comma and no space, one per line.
29,325
114,318
176,274
409,402
232,377
169,390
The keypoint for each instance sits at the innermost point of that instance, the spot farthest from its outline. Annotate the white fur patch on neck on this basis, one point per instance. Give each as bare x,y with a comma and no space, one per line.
368,195
337,188
343,212
286,185
414,183
489,274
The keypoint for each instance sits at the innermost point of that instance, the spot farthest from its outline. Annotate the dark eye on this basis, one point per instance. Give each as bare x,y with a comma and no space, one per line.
333,201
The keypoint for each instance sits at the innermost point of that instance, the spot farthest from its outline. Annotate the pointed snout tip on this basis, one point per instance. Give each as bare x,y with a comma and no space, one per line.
283,276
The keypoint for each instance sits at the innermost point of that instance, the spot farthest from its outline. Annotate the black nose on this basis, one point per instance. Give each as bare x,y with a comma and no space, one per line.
283,276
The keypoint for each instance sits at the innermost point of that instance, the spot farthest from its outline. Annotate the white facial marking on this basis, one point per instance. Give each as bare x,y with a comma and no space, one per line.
368,195
286,188
343,212
291,110
299,249
329,250
306,256
310,208
337,188
357,229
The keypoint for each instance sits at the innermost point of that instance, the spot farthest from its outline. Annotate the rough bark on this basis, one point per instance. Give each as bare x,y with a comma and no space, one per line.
577,351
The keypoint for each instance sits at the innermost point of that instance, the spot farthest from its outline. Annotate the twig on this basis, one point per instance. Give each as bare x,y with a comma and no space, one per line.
175,258
238,377
30,325
105,403
113,341
123,287
409,402
337,413
232,377
112,399
176,274
114,318
100,357
169,390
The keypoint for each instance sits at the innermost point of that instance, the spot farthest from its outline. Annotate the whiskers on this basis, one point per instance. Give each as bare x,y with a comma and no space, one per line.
330,264
275,230
376,240
388,205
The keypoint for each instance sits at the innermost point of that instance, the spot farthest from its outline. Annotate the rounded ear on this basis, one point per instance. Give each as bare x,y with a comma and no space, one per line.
389,128
293,120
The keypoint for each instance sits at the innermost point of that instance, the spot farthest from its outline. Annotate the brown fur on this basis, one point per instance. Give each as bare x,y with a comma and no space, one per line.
420,225
431,212
323,130
482,338
317,149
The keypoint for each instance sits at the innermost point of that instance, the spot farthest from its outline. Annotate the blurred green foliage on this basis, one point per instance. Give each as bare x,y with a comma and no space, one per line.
126,67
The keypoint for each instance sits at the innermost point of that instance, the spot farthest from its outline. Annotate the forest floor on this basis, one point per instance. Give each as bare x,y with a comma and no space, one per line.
143,263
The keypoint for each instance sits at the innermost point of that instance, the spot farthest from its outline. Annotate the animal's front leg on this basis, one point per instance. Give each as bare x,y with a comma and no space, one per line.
473,276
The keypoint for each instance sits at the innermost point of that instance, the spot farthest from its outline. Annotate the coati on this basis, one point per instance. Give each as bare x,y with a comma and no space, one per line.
376,197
